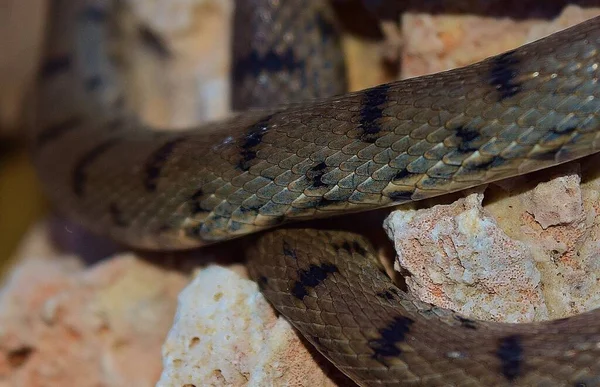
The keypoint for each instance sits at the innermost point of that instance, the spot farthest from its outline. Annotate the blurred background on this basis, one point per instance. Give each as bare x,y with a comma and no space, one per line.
21,201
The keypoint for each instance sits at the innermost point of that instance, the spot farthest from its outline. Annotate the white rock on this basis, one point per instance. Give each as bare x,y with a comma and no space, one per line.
460,259
226,334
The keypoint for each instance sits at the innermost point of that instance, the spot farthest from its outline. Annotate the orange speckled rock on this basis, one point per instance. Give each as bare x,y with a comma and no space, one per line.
62,325
460,259
490,261
438,42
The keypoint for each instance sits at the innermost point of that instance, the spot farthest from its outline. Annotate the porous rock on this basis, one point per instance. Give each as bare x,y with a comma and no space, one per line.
529,254
226,334
63,325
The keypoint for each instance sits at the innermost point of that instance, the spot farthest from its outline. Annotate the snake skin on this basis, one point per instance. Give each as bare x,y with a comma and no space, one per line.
517,112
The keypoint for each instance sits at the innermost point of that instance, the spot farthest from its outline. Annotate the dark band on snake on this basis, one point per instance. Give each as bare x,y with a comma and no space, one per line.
253,138
466,322
469,139
79,177
393,334
288,251
55,131
270,62
510,353
371,112
156,162
311,278
505,68
55,66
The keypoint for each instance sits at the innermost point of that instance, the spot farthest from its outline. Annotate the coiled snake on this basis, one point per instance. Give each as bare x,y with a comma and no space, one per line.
523,110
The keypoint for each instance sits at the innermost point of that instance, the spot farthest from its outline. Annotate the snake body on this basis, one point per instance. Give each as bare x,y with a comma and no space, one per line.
523,110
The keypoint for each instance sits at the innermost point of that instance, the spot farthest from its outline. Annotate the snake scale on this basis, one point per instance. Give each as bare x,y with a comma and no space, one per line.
517,112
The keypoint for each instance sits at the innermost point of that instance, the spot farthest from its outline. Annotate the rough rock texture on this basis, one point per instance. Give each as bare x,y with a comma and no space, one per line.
438,42
62,325
558,220
460,259
225,333
528,255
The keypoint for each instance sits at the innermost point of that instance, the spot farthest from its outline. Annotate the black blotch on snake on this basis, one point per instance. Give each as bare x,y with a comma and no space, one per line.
288,251
351,248
401,196
270,62
401,174
315,175
385,294
371,111
394,333
194,203
510,354
79,176
251,209
253,138
467,136
503,74
55,131
466,323
316,340
55,66
157,161
310,278
346,246
359,249
262,282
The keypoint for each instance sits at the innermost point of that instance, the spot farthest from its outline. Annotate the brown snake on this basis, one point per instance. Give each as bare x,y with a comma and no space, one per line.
517,112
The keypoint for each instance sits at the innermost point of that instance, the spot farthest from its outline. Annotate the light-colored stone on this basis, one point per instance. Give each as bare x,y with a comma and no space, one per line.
442,41
191,85
460,259
556,202
530,254
63,325
225,333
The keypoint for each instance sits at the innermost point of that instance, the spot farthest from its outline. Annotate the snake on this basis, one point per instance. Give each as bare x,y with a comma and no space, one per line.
300,147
